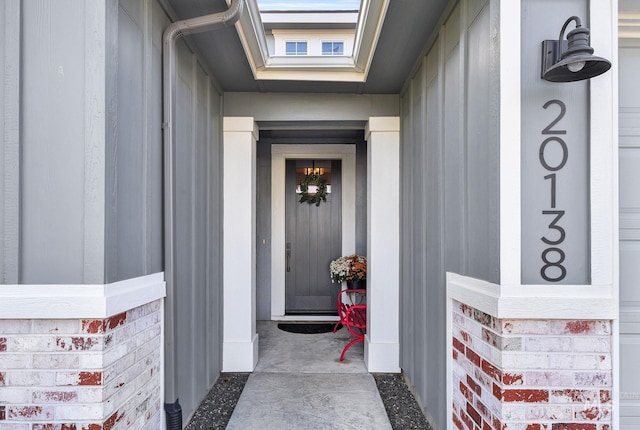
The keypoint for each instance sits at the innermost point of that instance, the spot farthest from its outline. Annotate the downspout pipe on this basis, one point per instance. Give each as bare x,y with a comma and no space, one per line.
175,30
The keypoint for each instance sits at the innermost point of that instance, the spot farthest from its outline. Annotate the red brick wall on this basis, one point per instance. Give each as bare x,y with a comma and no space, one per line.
95,374
530,374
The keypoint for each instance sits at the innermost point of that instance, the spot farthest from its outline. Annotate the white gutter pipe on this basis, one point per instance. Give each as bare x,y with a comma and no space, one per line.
172,32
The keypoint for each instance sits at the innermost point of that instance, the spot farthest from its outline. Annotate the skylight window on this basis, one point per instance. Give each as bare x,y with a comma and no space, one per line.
340,38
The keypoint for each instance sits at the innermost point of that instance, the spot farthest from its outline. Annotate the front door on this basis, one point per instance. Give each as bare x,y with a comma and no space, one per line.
313,235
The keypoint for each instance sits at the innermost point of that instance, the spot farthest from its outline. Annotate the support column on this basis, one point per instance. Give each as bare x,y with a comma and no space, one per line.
240,345
540,348
382,341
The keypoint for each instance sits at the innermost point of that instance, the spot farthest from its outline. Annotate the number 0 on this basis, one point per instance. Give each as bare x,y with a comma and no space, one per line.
565,153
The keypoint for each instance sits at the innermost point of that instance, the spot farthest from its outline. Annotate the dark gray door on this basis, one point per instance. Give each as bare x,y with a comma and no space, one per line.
313,239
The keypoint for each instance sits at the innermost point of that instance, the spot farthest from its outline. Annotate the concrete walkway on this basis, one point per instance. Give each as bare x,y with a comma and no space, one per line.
299,383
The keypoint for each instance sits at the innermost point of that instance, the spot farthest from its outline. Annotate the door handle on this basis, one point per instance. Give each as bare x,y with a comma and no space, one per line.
288,254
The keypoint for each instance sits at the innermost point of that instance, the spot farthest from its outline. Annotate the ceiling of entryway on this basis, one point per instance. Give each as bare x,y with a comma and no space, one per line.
406,27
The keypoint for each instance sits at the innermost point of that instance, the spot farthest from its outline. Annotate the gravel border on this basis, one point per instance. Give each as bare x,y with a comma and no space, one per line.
215,410
401,406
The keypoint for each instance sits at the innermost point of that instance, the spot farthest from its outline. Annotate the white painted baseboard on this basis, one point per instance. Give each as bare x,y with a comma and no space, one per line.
240,356
381,357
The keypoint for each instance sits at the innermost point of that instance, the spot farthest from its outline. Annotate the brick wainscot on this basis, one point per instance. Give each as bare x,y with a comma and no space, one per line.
530,374
82,374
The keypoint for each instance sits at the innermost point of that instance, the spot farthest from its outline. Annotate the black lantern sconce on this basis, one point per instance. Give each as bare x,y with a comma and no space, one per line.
572,59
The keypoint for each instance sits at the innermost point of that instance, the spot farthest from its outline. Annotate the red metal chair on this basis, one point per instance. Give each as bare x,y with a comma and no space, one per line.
353,315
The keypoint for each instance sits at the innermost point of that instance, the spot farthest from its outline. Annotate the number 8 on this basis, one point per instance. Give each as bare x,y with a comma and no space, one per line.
548,264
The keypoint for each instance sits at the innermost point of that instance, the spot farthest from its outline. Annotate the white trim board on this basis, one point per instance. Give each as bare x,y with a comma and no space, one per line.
534,301
55,301
510,131
279,155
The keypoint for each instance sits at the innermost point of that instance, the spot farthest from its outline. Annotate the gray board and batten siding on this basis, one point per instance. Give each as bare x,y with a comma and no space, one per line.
134,246
263,232
82,148
134,141
629,153
53,143
449,187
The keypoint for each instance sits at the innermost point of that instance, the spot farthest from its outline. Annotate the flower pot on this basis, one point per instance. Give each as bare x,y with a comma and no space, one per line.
360,284
357,298
334,291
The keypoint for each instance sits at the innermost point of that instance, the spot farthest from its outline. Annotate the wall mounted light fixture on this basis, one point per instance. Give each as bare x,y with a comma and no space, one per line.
572,59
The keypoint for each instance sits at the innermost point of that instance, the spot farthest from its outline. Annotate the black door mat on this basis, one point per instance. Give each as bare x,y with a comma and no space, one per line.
311,328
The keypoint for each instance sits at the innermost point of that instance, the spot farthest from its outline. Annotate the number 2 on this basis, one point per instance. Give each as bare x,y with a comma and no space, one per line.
563,110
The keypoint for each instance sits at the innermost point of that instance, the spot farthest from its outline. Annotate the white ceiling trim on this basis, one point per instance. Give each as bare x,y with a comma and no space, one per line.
310,74
334,69
629,25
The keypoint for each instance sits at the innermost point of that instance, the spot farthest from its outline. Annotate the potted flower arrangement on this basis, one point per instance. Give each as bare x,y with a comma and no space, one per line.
349,269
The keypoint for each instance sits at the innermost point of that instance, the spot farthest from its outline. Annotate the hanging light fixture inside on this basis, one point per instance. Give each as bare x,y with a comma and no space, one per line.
572,59
314,170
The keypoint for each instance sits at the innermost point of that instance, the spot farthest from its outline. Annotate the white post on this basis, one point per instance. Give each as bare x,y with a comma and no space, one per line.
240,345
382,341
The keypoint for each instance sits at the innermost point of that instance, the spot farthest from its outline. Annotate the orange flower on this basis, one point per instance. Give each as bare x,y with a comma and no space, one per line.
349,268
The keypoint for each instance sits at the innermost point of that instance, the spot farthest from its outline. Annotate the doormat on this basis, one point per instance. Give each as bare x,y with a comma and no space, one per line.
312,328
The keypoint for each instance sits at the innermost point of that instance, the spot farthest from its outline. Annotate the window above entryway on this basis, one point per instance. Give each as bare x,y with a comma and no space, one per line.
296,48
330,40
332,48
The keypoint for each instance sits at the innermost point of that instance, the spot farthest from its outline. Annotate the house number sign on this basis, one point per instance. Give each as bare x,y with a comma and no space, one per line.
555,191
553,255
555,207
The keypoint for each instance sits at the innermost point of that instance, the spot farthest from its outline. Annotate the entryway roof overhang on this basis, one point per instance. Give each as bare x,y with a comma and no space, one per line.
390,37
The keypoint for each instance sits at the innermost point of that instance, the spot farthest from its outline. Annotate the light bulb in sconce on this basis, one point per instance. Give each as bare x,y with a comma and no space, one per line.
576,67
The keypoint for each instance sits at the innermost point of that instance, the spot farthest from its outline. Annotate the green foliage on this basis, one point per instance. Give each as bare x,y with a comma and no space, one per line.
313,198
